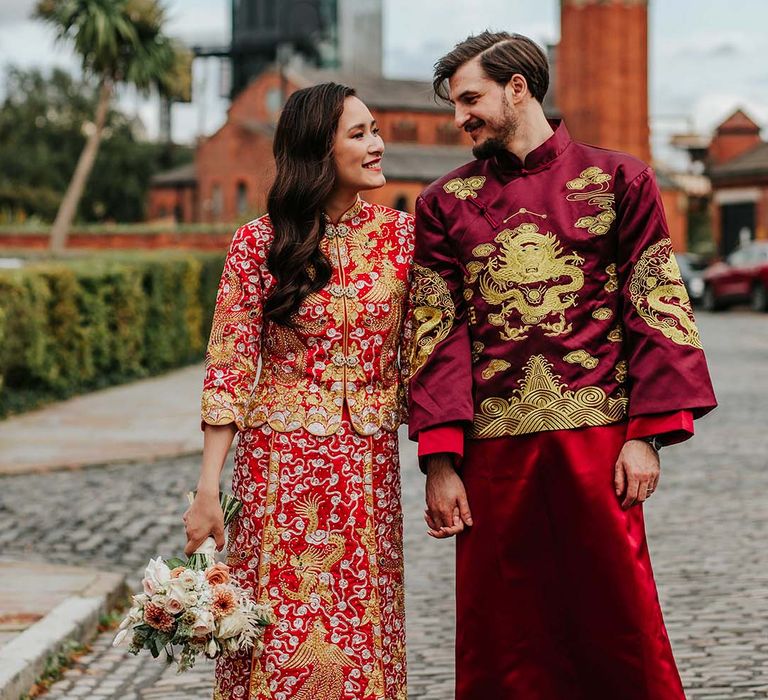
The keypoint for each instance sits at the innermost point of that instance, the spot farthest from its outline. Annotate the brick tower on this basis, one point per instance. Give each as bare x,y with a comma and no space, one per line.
602,64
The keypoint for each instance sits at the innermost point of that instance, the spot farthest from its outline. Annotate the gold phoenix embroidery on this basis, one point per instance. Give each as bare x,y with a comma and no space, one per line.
327,662
530,280
221,350
583,358
599,195
314,561
658,294
494,367
433,315
464,188
602,314
543,403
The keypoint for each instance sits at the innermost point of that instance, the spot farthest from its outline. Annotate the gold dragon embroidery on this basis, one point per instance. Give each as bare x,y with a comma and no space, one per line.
531,281
598,195
659,296
433,313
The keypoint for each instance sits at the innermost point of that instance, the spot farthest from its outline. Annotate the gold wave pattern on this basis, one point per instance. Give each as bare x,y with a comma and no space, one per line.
544,403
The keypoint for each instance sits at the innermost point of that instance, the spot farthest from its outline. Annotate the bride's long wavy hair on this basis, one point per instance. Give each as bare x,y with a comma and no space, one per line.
304,179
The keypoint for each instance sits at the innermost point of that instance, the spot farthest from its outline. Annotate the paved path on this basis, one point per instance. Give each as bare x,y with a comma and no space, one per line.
708,528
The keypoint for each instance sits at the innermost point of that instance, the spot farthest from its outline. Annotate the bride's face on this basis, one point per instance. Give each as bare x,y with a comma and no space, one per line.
358,149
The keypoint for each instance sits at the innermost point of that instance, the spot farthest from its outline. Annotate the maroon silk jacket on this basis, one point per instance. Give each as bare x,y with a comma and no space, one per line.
545,296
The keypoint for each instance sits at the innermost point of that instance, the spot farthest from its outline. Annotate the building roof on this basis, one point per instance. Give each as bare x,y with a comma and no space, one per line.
375,91
753,163
182,175
410,161
738,122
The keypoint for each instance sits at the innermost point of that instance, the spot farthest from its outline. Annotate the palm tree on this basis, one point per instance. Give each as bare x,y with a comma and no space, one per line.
119,41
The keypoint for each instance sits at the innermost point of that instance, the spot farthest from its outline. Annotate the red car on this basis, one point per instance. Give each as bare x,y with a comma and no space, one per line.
741,278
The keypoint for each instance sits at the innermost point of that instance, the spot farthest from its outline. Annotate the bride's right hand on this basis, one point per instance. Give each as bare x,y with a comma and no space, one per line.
203,518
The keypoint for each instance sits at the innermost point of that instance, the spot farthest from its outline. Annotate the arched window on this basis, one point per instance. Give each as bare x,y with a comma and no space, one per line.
242,198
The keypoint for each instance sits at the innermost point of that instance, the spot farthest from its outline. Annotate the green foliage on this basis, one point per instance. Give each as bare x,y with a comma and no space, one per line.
41,137
69,327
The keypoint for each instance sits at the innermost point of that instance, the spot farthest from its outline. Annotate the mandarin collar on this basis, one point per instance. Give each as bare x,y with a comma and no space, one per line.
540,156
351,213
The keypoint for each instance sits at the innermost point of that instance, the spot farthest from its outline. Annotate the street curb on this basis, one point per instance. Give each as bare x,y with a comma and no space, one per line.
23,659
80,466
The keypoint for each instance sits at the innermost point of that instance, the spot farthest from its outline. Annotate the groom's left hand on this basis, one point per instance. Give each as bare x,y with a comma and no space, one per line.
637,472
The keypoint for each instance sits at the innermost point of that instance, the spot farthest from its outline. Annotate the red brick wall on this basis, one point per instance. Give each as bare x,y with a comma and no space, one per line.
163,202
725,146
603,73
676,210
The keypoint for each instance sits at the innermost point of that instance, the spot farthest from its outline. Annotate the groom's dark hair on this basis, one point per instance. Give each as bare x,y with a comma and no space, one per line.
502,55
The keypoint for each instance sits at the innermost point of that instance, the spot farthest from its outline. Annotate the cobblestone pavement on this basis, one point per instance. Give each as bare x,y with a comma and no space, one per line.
708,527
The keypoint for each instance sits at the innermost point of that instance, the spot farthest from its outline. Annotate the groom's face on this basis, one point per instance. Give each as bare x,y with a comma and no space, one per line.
482,110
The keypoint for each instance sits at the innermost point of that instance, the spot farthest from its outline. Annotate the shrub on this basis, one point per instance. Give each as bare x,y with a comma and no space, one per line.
68,327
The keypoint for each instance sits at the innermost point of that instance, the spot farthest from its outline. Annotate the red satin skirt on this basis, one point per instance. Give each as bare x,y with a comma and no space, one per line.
555,593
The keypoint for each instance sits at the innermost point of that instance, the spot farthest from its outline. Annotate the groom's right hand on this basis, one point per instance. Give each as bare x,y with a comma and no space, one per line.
447,510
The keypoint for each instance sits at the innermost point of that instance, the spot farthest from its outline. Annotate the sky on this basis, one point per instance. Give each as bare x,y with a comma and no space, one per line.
707,57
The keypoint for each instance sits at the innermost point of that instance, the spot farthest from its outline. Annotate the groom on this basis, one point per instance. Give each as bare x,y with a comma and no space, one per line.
554,352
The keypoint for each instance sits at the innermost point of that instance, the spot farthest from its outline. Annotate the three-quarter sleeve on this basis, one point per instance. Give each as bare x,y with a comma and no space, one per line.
233,349
667,370
439,356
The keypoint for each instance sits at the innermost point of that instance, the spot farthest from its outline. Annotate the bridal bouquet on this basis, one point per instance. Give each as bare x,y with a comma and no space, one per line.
196,605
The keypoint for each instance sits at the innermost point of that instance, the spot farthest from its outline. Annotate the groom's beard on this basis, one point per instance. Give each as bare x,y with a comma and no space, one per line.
503,133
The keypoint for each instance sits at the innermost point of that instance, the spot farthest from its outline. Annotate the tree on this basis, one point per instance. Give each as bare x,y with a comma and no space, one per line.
119,41
41,138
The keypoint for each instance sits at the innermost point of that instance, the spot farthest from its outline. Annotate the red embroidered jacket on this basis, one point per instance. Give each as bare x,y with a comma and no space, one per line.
344,347
546,297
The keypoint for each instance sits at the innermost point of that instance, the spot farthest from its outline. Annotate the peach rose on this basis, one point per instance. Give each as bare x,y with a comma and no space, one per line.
175,573
217,574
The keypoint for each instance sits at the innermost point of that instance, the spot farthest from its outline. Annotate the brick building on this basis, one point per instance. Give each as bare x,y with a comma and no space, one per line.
737,164
599,86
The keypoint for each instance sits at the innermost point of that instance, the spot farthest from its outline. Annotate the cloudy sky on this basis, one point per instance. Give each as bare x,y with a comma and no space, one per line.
707,56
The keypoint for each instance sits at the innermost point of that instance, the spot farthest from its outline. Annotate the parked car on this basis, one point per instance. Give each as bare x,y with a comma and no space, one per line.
691,267
741,278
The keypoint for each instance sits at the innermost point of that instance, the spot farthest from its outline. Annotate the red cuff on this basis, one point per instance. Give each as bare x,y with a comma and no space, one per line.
442,438
671,427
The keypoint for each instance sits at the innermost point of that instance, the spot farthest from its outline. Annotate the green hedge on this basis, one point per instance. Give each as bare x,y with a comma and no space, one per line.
69,327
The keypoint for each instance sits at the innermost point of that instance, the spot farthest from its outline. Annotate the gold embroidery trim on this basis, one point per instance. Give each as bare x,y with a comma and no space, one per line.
433,315
530,281
659,296
543,403
583,358
464,188
598,195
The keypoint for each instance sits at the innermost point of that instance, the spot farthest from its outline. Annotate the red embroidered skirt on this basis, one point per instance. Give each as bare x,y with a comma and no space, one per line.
319,538
555,594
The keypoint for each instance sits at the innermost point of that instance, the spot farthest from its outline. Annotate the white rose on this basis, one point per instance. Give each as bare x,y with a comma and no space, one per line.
173,605
232,625
187,578
204,624
156,575
179,591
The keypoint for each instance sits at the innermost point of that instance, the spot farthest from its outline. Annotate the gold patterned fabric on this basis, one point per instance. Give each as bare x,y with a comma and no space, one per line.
433,314
542,402
344,345
659,295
